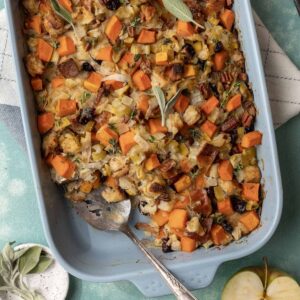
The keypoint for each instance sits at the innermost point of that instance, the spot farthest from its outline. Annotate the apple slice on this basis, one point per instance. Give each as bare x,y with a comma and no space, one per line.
245,285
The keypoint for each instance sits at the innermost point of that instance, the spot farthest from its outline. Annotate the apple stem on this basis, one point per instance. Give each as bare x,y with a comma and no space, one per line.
265,259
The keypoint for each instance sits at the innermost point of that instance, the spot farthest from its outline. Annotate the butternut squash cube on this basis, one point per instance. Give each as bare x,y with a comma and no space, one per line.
105,134
183,183
105,54
93,82
141,80
66,46
147,37
113,29
189,71
185,29
152,162
161,58
127,141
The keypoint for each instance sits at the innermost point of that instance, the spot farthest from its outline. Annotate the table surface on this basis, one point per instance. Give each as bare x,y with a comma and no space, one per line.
19,216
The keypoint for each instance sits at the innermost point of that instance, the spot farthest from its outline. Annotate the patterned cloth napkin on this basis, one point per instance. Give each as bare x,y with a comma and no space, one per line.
282,76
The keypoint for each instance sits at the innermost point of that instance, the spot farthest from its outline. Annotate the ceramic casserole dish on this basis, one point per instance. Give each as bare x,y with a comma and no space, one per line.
109,256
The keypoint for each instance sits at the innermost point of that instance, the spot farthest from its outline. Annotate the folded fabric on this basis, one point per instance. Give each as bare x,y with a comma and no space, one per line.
282,76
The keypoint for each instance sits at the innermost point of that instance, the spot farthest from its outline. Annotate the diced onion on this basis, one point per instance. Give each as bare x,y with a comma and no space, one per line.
117,77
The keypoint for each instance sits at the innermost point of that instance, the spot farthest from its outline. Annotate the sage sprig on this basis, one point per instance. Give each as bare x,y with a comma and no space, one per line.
164,106
14,265
180,10
64,14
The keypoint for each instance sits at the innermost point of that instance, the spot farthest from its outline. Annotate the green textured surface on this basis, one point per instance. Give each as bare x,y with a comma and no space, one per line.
19,218
282,19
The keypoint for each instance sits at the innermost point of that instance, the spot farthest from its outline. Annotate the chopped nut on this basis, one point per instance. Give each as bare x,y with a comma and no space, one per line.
167,165
156,188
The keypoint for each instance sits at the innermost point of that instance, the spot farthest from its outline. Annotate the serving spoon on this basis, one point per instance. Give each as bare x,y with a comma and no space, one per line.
114,216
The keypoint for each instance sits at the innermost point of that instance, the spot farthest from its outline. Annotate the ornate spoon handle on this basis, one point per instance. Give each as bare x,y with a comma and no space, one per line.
179,290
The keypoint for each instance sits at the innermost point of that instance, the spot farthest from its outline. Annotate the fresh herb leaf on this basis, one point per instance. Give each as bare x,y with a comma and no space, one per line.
151,139
159,94
194,174
237,84
239,167
172,101
85,96
58,123
137,57
63,13
11,280
19,253
42,265
114,147
77,160
92,41
167,41
54,44
112,126
133,113
118,46
135,22
226,94
180,10
29,260
8,253
164,107
195,133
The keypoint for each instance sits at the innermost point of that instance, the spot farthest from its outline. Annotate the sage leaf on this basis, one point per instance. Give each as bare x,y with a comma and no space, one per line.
4,267
165,107
19,253
42,266
64,14
61,11
180,10
29,260
159,94
8,253
2,282
172,101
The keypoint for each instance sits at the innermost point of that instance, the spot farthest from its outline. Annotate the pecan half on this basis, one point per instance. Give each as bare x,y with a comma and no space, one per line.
146,66
227,78
204,90
99,96
229,125
247,119
156,188
167,165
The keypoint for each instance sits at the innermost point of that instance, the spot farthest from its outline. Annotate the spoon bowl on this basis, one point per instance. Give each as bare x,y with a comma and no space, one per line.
107,216
103,215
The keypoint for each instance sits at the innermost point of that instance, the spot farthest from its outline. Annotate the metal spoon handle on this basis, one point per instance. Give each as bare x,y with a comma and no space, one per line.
179,290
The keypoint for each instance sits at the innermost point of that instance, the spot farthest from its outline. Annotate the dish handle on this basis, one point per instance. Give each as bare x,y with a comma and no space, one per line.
193,277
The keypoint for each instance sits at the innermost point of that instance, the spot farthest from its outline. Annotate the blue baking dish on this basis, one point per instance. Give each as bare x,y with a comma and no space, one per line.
108,256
